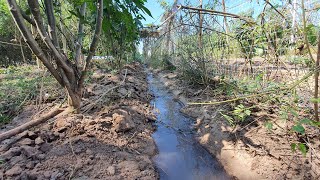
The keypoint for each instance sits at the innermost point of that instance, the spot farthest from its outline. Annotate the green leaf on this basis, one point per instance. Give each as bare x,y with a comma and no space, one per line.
293,147
294,113
305,121
315,100
303,149
228,118
269,125
247,112
298,128
315,123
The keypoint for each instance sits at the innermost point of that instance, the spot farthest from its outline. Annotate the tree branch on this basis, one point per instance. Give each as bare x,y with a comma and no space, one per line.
33,45
35,10
52,22
218,13
80,33
94,42
27,18
30,124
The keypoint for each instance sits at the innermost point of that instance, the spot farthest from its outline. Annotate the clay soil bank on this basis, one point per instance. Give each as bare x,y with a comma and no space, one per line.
110,139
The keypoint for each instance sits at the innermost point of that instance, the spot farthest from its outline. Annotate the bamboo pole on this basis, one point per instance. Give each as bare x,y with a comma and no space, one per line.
316,82
218,13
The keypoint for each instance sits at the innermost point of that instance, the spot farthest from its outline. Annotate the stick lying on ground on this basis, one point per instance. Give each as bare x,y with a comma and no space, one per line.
30,124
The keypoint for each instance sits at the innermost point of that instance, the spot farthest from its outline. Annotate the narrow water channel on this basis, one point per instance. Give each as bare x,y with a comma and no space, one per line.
180,156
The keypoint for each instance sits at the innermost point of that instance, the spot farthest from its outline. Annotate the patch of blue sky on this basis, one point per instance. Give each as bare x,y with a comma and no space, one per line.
232,6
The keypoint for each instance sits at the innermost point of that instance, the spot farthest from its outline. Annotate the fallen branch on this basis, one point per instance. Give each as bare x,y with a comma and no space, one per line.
30,124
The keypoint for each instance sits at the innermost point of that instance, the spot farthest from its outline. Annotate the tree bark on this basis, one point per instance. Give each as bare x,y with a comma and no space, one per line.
61,67
30,124
200,26
51,22
80,33
316,82
294,17
26,34
93,44
225,20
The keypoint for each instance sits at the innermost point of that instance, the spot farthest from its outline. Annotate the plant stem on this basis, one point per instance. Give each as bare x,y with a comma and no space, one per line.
316,82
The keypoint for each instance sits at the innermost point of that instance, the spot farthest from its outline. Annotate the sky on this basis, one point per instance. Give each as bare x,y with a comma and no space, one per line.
235,7
156,11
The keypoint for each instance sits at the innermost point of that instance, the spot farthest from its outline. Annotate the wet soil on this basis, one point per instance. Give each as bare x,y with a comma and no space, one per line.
180,155
246,152
110,139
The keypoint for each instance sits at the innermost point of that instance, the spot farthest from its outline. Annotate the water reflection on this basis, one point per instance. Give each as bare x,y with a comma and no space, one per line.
180,155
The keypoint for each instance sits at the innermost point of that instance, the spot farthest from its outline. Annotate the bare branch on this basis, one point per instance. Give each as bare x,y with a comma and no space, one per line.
80,33
30,124
225,14
61,60
27,18
94,42
52,21
16,14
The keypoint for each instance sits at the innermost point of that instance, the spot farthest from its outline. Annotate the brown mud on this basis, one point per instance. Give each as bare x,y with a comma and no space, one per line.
110,140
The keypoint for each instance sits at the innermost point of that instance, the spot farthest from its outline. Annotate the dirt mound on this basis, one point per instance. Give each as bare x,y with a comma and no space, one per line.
110,140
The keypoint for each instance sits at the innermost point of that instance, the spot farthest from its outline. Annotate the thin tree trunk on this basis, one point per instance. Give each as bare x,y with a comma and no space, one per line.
304,21
316,82
225,20
202,59
60,66
22,53
19,20
93,44
80,34
200,26
51,22
294,16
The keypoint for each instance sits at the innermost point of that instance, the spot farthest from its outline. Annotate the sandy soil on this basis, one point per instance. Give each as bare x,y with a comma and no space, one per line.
250,151
111,139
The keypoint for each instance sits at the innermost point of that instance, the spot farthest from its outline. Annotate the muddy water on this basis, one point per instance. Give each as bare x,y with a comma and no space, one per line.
180,156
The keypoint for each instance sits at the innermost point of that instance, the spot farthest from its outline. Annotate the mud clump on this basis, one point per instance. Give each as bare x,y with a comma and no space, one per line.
110,139
122,122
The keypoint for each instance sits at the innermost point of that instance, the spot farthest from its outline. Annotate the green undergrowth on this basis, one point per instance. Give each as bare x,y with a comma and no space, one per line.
18,86
273,98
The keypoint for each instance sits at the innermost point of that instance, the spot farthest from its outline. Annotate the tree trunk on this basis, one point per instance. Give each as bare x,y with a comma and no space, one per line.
294,16
225,20
62,69
80,33
316,81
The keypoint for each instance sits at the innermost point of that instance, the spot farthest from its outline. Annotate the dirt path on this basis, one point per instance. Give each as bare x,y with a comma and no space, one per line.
110,141
250,152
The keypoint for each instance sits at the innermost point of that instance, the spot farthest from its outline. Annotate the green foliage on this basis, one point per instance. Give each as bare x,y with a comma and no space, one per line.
238,115
241,112
18,85
299,129
6,22
121,28
312,34
297,60
269,125
301,147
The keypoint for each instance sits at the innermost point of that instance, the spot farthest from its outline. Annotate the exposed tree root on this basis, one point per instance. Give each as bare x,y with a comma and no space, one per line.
30,124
